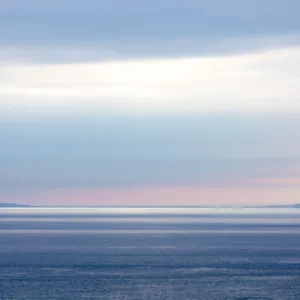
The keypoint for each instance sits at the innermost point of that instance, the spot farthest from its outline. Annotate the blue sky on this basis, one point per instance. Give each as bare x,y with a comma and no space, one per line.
104,98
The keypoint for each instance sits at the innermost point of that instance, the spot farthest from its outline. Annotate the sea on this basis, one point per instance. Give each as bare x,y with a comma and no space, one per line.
151,253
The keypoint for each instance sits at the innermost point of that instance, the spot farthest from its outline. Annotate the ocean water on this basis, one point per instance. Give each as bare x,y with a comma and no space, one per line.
149,253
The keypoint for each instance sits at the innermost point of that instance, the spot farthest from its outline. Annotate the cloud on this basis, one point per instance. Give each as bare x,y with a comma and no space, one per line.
94,20
259,82
112,151
93,30
76,51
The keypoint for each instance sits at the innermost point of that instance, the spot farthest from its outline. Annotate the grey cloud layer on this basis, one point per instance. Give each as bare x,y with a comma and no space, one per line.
110,151
133,28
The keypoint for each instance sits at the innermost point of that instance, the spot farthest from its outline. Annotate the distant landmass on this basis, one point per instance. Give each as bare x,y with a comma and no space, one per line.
13,205
297,205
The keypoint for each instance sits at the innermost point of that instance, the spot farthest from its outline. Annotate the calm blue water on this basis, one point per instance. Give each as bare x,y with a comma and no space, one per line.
136,253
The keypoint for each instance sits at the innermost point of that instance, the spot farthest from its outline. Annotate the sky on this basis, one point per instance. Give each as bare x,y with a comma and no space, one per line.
150,102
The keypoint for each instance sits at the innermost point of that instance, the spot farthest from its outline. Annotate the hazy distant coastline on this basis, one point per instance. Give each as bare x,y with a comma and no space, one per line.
297,205
9,205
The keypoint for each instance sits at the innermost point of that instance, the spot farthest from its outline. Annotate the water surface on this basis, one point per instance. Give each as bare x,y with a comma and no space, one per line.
149,253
